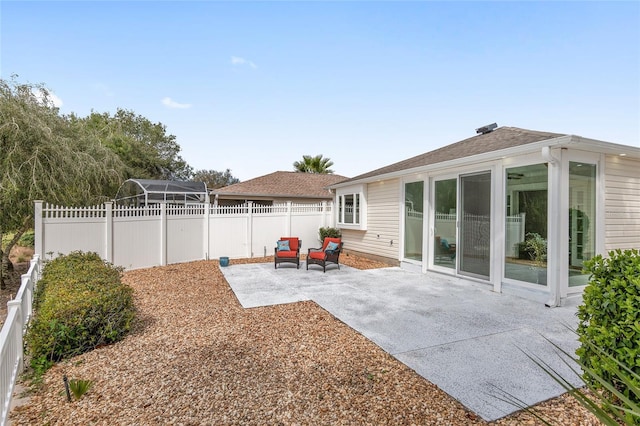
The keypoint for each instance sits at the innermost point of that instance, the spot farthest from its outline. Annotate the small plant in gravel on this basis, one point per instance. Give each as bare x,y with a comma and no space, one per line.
79,387
80,304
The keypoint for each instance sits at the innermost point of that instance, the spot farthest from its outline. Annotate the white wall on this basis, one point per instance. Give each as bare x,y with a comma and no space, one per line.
382,236
622,203
145,237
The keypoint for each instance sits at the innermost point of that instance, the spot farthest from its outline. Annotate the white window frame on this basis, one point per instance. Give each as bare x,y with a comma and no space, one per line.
359,217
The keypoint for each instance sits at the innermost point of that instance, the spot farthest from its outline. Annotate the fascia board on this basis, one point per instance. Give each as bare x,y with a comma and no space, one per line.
253,195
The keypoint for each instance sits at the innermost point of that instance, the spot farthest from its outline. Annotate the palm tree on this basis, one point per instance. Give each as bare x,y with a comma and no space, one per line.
316,164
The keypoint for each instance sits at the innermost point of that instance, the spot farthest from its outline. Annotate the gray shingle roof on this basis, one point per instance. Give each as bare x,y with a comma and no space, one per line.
501,138
285,184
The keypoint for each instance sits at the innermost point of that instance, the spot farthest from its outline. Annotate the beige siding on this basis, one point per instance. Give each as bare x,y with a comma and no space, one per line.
622,203
383,219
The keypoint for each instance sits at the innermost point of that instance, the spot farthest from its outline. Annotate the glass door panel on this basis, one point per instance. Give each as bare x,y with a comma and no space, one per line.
445,232
413,220
475,225
526,224
582,219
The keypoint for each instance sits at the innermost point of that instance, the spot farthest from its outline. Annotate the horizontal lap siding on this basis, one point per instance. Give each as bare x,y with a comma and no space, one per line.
383,201
622,203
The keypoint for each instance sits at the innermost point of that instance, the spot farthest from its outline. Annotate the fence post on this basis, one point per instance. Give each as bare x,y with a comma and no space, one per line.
250,229
323,219
38,229
288,219
108,231
163,233
205,234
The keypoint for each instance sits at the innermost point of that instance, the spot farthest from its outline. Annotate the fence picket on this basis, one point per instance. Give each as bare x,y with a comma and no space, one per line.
19,312
139,237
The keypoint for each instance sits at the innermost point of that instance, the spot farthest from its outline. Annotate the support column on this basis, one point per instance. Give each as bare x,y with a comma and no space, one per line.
557,240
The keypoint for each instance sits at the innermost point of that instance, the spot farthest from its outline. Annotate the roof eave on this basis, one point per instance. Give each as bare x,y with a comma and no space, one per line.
560,141
263,195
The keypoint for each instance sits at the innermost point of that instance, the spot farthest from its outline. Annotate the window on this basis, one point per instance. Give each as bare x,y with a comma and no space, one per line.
526,224
351,207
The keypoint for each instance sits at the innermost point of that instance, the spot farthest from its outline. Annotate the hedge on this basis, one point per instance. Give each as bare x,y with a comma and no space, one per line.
80,304
609,327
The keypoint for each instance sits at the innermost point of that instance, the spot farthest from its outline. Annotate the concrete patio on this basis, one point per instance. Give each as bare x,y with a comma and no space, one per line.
455,333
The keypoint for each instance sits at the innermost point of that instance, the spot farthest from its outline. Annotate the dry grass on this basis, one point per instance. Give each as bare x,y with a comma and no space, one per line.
197,357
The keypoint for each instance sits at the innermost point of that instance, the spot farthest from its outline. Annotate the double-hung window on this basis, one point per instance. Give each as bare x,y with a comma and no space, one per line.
351,207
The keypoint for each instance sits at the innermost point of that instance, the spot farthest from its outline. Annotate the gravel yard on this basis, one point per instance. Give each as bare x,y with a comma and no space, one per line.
197,357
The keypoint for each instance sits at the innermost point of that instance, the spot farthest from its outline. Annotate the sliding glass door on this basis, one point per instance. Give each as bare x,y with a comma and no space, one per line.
445,201
413,219
475,225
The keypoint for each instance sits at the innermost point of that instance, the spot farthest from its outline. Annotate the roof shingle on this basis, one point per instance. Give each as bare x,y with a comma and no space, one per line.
285,184
501,138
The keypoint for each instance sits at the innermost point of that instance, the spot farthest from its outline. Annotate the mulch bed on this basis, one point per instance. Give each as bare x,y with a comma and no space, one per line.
197,357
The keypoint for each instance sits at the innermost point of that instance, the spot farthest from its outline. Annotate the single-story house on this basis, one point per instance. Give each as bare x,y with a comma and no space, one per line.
517,209
278,188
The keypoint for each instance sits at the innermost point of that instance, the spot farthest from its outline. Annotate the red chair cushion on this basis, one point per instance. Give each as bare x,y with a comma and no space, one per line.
293,243
317,255
287,253
328,240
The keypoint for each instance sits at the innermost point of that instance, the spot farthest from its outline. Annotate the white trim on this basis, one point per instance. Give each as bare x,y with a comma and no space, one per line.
497,226
402,206
565,141
589,158
359,193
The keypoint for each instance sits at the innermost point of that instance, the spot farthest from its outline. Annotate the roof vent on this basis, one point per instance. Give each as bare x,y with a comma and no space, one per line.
486,129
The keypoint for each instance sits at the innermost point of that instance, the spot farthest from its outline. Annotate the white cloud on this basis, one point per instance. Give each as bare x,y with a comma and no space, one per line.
236,60
51,97
170,103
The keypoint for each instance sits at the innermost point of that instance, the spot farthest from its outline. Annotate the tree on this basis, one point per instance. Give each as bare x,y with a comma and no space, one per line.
316,164
145,147
45,156
215,179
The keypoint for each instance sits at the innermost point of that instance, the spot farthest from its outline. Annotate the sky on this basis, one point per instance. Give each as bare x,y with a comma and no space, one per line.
254,86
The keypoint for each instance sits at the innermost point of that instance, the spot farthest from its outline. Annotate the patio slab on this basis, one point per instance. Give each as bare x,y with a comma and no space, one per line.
456,333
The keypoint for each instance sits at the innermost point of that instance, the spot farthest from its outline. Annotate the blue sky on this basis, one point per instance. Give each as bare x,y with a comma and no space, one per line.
252,86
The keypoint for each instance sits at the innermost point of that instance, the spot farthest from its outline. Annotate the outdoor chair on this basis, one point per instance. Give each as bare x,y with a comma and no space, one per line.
444,250
327,254
287,251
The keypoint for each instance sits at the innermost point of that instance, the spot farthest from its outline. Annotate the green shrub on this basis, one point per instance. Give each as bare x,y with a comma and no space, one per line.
609,327
329,232
27,239
80,304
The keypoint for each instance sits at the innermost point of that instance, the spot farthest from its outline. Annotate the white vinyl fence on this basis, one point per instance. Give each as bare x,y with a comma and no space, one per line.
141,237
11,347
